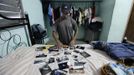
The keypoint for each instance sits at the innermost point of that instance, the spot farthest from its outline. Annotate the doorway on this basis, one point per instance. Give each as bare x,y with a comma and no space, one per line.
130,27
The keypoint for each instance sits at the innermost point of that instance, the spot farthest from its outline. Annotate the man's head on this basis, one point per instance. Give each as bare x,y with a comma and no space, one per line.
65,9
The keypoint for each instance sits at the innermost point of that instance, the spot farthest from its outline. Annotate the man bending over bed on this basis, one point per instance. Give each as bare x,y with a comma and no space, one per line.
65,29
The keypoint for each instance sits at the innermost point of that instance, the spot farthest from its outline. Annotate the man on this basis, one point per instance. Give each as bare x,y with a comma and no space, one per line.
65,29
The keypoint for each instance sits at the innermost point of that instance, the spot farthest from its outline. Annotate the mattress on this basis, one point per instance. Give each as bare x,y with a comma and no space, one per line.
19,62
93,63
97,60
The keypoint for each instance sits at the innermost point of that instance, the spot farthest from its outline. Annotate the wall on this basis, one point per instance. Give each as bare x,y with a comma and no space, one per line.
77,4
106,12
34,10
120,19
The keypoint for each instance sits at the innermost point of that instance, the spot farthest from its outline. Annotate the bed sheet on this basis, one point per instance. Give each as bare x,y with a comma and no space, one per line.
94,62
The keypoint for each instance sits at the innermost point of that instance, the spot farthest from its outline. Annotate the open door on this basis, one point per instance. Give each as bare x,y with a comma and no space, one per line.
130,28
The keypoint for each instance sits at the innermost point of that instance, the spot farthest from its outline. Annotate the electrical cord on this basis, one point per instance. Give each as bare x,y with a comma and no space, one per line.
8,38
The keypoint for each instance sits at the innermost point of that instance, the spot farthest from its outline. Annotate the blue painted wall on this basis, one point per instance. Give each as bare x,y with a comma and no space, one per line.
106,12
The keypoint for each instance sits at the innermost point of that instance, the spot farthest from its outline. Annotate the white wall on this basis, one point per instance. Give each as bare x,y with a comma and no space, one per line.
120,19
34,10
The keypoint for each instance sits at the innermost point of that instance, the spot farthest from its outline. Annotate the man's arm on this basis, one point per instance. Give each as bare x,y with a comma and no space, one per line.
75,34
75,28
55,36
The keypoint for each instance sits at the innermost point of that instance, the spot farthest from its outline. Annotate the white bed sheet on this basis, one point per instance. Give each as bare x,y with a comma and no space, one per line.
94,62
20,62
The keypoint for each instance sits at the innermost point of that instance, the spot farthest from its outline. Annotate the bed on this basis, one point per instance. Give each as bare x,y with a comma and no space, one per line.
21,61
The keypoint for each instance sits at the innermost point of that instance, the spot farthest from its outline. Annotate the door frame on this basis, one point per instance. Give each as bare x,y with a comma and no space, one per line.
128,20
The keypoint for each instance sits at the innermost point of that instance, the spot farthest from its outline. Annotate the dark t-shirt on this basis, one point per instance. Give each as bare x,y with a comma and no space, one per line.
66,27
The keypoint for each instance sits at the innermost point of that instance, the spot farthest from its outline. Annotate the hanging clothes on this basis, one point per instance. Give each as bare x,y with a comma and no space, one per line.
97,19
81,16
57,13
76,16
88,15
60,12
91,36
93,8
72,11
45,5
50,10
93,25
51,15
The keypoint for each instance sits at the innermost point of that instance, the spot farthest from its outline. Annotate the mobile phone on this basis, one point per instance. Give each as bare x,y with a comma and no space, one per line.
85,54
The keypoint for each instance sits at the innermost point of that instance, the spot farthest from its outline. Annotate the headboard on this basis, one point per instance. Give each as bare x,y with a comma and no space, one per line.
12,17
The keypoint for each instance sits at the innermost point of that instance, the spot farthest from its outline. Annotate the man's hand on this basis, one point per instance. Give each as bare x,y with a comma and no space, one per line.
59,44
65,46
72,43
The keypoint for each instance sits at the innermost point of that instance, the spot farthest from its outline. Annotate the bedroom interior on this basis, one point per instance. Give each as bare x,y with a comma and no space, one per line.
104,43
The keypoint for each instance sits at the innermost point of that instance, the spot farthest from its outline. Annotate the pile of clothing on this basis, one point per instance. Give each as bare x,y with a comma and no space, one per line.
118,51
78,14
